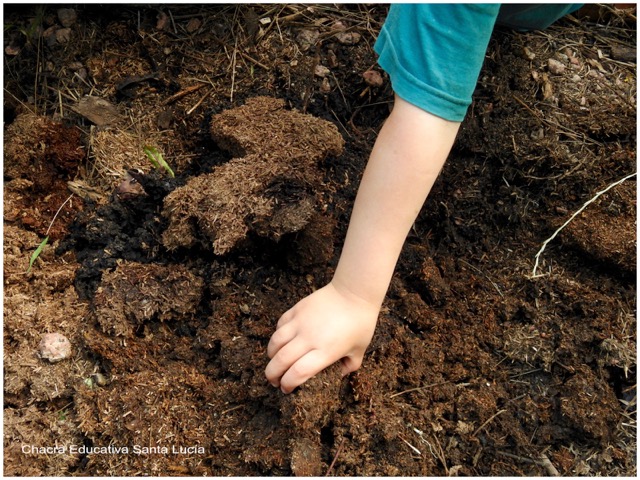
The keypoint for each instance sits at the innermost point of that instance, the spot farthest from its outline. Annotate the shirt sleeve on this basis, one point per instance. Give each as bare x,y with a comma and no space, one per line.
533,17
433,53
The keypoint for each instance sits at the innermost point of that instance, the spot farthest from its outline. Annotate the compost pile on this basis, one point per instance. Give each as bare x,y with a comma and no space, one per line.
192,169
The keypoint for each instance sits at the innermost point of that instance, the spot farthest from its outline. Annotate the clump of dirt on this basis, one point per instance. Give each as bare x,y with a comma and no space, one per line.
126,228
134,294
38,148
606,231
40,156
268,188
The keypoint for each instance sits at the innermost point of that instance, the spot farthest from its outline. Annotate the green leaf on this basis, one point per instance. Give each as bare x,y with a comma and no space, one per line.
156,158
37,253
150,152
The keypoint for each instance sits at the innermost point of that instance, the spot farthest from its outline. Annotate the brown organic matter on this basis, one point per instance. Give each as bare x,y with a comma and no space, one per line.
268,188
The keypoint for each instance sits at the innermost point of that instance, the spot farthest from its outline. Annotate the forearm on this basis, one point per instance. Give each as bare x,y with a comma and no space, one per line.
408,155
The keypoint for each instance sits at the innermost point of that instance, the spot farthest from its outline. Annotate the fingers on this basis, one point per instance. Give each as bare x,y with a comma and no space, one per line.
294,364
286,356
281,337
285,318
302,370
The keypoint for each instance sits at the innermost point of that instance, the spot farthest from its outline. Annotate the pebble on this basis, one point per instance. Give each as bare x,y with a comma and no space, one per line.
326,85
193,25
67,17
63,35
373,78
307,39
527,53
321,71
556,67
348,38
54,347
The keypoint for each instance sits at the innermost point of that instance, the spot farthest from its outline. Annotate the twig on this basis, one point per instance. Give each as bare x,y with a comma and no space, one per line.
199,102
551,469
333,462
485,275
577,212
182,93
487,422
237,407
233,69
417,389
517,457
253,60
294,16
409,445
543,462
441,455
57,213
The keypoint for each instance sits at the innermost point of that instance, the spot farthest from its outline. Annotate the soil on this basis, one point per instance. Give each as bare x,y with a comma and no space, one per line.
168,282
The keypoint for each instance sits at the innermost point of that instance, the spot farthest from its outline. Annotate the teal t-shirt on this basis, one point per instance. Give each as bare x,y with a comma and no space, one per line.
433,53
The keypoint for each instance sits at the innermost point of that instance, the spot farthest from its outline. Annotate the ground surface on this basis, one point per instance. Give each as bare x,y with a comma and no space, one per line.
169,288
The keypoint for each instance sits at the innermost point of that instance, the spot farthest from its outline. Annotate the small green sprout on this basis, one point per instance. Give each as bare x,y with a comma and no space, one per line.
37,252
156,158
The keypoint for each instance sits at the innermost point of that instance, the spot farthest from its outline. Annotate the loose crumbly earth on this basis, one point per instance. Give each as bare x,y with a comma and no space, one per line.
168,289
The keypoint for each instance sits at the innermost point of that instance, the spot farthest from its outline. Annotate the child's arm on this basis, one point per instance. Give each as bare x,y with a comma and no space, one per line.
337,322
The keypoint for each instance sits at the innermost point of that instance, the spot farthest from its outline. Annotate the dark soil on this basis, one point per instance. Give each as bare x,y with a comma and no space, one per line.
169,288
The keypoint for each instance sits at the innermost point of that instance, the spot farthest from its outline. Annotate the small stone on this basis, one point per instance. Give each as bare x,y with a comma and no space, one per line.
129,188
163,21
67,17
63,35
97,110
193,25
321,71
54,347
332,59
556,67
325,87
49,35
348,38
307,39
527,53
572,56
537,134
623,53
99,379
373,78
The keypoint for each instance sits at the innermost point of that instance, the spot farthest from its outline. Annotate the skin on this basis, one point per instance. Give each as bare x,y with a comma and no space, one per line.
337,322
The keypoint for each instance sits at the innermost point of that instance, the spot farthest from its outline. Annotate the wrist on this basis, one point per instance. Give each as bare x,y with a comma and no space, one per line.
368,297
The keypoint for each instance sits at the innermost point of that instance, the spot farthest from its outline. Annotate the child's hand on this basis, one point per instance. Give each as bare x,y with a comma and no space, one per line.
327,326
